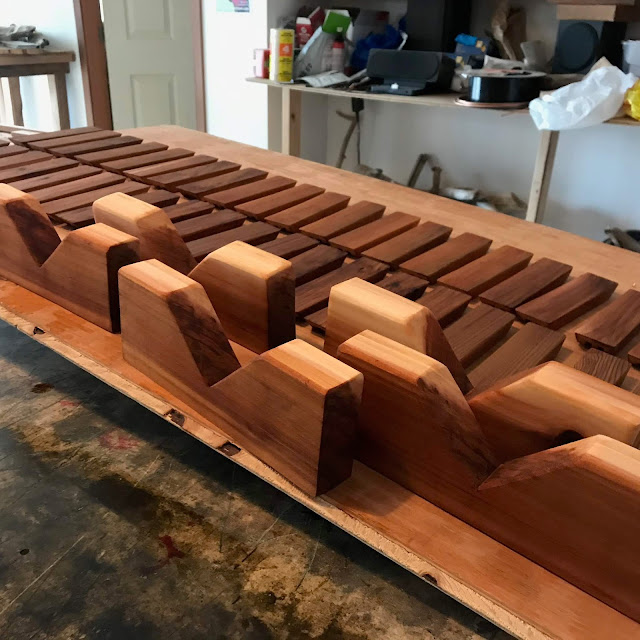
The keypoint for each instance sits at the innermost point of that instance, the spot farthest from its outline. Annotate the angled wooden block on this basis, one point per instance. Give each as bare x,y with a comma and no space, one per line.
170,330
187,210
415,425
79,273
290,245
554,404
356,305
575,510
295,408
604,366
347,219
268,205
316,262
446,304
309,211
253,293
151,225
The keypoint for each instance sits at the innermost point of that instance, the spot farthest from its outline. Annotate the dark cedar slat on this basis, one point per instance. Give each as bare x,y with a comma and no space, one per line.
446,304
369,235
314,263
91,183
209,224
96,145
268,205
141,173
191,175
350,218
38,169
52,143
313,295
567,302
530,346
59,177
252,233
318,319
604,366
634,355
159,197
309,211
50,135
217,182
448,256
477,331
610,328
3,142
490,269
187,210
195,187
533,281
289,246
410,244
230,198
12,150
85,199
98,157
23,159
120,166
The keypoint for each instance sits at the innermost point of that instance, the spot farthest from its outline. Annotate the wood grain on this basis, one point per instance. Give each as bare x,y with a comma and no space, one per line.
309,211
230,198
215,181
352,217
318,319
86,199
96,145
82,185
251,233
27,138
38,169
446,304
603,366
141,173
289,245
22,159
12,150
253,294
410,244
52,179
126,164
268,205
485,272
533,281
209,224
369,235
477,331
612,327
187,210
447,257
567,302
98,157
156,234
530,346
159,197
316,262
196,180
356,305
634,355
79,138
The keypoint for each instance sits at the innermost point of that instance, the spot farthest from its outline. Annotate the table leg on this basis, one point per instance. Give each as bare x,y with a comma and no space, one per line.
291,121
16,101
59,101
542,175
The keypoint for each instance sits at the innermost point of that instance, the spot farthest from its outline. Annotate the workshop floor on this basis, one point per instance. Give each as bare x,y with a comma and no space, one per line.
115,524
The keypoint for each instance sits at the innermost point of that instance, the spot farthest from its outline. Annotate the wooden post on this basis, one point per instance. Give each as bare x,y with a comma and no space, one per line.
59,101
291,121
16,101
542,175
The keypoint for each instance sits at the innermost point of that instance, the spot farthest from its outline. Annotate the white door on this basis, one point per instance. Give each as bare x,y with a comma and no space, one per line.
150,56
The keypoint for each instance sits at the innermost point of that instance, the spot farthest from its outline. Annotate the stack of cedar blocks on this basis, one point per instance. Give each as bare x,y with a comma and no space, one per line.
598,10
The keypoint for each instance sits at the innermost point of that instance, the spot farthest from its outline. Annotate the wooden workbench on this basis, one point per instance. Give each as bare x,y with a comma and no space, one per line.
501,585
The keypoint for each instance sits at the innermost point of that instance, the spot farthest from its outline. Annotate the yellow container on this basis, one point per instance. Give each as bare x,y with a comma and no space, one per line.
282,43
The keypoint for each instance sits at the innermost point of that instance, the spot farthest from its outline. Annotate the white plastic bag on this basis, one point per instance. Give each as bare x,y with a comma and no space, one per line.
593,100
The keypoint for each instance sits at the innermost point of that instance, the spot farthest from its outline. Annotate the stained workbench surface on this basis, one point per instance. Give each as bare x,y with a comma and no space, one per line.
115,524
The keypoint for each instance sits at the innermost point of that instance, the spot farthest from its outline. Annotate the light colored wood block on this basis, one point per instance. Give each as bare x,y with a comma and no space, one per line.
253,293
356,305
554,404
170,330
79,273
151,225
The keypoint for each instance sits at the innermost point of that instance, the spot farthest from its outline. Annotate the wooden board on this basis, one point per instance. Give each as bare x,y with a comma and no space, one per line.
610,328
82,185
86,199
195,181
53,179
12,150
230,198
216,181
25,138
158,197
208,224
567,302
316,262
251,233
634,355
369,235
169,166
120,166
51,143
477,331
309,211
604,366
410,243
37,169
446,304
98,157
289,246
538,278
187,210
404,285
530,346
345,220
448,256
22,159
485,272
268,205
96,145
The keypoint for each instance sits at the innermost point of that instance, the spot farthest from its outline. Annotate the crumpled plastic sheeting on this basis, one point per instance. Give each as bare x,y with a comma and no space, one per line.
591,101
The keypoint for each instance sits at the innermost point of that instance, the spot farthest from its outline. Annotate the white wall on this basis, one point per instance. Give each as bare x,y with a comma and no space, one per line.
55,19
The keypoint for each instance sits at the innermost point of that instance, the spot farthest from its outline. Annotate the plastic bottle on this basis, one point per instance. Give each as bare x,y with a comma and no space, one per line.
338,52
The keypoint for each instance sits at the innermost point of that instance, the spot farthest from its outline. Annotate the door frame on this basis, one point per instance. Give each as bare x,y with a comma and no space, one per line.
93,62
